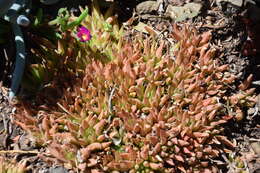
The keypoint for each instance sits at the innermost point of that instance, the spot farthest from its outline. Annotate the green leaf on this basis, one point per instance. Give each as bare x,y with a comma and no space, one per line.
39,17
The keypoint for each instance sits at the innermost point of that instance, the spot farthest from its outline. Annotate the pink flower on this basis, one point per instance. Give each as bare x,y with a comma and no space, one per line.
83,34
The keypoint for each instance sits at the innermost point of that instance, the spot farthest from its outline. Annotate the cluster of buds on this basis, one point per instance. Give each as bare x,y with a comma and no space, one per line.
145,111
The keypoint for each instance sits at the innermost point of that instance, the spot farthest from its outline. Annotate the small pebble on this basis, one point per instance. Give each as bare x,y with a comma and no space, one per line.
58,170
256,147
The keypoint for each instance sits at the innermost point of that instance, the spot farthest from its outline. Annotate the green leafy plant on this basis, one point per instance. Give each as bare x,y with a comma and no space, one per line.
63,18
147,110
106,33
63,55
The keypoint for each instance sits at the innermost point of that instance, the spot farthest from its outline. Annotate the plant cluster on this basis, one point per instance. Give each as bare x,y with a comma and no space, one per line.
64,55
10,167
144,111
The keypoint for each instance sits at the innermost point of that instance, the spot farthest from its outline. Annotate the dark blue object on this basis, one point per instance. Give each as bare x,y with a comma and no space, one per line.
10,10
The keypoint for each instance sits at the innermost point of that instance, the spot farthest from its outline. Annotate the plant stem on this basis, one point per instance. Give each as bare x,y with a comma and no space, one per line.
78,20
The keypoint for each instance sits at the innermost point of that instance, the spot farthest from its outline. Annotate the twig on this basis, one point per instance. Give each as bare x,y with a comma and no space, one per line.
254,140
18,151
64,109
216,26
110,99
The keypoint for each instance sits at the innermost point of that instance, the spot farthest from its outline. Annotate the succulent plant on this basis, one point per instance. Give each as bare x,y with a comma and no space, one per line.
145,111
63,19
9,167
106,33
236,163
66,54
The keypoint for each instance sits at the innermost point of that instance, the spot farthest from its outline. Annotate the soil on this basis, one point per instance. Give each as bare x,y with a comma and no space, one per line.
236,37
